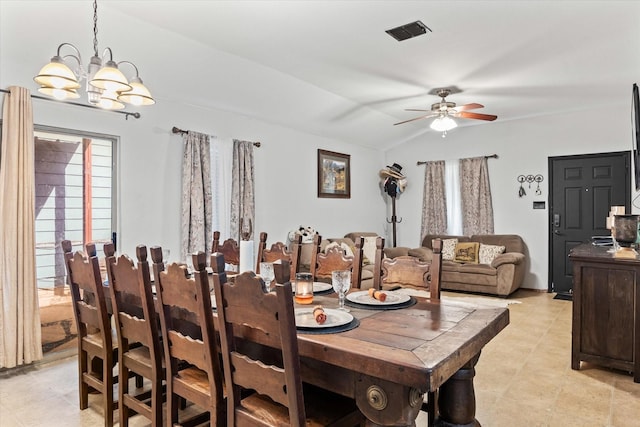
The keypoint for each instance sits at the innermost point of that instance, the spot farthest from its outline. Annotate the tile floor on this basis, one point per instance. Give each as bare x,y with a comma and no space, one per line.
523,379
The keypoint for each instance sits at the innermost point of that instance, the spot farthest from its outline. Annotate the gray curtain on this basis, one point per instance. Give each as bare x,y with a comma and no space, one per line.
434,200
20,331
475,191
242,191
196,194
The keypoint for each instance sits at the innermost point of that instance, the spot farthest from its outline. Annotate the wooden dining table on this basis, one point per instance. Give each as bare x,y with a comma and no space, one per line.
394,356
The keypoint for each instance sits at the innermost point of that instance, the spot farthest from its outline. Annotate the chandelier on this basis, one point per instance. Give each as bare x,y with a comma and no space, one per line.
443,123
106,86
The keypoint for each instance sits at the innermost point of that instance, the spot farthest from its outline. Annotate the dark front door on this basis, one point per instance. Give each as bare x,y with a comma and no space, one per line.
582,190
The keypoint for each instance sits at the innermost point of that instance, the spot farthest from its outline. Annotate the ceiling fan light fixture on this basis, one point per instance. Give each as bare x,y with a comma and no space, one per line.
443,124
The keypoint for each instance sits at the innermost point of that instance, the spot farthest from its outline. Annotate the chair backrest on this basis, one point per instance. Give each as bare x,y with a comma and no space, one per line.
323,264
132,302
87,293
269,316
409,271
186,318
229,248
278,252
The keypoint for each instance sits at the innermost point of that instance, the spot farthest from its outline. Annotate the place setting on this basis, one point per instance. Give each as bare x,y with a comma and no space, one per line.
373,299
323,320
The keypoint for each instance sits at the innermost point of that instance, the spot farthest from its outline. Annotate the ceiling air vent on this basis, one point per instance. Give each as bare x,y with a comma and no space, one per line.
408,31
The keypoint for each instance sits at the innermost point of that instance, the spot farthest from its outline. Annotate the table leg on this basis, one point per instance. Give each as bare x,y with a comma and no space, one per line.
457,399
387,404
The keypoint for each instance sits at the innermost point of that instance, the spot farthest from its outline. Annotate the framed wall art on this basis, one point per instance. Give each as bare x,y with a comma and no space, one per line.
334,175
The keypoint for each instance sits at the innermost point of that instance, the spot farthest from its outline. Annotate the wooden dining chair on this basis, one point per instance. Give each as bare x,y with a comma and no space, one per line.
267,319
97,344
278,252
335,258
136,322
408,271
190,344
230,249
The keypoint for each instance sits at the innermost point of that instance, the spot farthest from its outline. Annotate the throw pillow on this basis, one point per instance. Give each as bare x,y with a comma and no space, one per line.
448,249
488,253
467,252
369,249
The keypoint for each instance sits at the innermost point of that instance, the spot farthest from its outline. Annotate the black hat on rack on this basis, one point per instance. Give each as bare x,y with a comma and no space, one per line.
393,171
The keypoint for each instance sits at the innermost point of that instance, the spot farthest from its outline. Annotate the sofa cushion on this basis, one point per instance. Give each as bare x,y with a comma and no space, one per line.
511,242
456,267
488,253
448,249
348,251
422,253
466,252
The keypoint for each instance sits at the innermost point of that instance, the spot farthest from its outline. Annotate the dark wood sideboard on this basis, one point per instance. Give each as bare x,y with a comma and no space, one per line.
606,310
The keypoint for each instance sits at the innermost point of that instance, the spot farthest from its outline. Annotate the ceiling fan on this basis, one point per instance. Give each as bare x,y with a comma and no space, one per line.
443,111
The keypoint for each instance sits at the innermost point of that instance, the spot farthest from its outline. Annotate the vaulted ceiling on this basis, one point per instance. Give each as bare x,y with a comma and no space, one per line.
329,68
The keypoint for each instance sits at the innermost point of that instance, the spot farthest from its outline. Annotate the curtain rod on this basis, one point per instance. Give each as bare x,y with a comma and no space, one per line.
77,104
493,156
180,131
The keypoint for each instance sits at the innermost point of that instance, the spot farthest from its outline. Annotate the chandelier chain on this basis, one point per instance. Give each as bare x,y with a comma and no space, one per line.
95,27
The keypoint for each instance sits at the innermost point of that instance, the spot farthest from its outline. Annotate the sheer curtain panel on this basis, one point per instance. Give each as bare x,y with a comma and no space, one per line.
242,191
221,165
477,207
452,191
196,194
434,200
20,335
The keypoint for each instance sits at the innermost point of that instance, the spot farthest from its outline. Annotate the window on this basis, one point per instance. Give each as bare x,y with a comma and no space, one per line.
75,182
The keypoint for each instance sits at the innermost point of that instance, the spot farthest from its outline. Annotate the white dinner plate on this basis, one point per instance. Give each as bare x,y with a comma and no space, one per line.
363,297
321,287
317,287
335,317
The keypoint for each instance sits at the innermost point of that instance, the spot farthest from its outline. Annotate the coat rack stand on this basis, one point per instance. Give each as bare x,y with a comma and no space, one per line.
394,219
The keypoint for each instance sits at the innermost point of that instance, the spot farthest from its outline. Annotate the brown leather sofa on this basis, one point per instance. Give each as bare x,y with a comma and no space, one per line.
502,277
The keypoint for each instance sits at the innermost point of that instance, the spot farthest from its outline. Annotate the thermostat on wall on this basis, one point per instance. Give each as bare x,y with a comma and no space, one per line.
538,205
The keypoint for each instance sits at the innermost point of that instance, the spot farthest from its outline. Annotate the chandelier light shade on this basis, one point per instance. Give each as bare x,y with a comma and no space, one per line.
59,93
56,74
106,86
110,78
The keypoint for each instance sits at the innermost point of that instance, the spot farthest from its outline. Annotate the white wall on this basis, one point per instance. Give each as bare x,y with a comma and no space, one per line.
150,162
523,147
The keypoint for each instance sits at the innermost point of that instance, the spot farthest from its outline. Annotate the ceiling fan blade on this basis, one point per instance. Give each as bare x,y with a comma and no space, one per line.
466,107
465,115
416,118
415,109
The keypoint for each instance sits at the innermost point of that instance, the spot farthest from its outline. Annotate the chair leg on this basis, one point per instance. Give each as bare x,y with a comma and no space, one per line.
107,393
83,388
172,408
156,402
123,389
